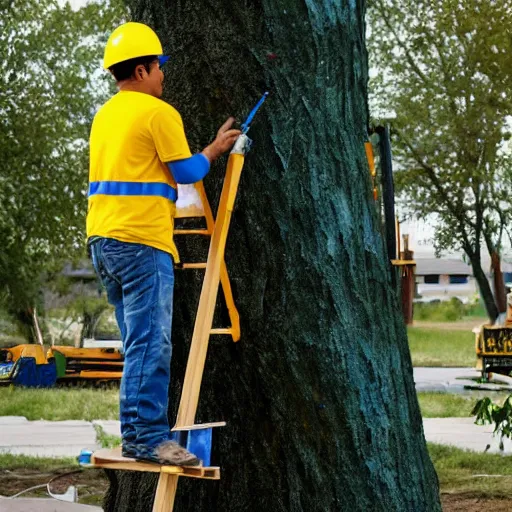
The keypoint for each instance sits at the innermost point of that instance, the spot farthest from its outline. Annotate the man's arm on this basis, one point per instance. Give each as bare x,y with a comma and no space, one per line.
193,169
190,170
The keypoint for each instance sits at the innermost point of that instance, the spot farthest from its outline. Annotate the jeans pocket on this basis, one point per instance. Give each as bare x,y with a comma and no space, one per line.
119,257
96,262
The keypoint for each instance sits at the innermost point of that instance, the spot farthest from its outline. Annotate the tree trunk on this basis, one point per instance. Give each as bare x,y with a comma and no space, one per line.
485,288
318,394
500,293
25,323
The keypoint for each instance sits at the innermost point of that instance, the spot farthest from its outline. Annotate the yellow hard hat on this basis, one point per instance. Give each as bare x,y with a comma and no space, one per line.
129,41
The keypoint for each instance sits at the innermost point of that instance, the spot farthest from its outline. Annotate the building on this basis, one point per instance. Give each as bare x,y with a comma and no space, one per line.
443,278
447,276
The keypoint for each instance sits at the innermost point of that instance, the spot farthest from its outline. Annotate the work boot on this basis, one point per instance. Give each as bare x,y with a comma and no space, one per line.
168,453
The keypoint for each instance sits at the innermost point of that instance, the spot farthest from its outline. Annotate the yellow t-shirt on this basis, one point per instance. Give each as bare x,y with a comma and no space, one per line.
132,193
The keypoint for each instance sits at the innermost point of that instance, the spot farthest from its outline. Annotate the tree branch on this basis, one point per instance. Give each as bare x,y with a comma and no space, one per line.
401,44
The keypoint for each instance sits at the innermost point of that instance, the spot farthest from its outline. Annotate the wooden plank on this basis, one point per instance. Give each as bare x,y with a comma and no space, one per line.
191,232
135,466
113,459
399,263
110,454
199,346
207,474
222,330
200,426
188,266
165,493
234,317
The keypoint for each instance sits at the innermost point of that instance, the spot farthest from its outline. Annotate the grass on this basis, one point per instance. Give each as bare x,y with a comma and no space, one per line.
106,440
436,347
458,469
448,405
42,464
60,403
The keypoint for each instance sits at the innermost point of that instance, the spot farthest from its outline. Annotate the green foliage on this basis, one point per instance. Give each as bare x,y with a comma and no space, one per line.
43,464
60,403
106,440
475,310
444,79
446,311
50,59
488,412
441,347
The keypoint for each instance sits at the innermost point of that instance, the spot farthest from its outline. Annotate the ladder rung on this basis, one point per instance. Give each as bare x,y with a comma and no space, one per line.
192,232
186,266
222,331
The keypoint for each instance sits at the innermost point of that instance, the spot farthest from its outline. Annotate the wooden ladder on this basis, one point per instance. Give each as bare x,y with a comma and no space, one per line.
197,438
193,203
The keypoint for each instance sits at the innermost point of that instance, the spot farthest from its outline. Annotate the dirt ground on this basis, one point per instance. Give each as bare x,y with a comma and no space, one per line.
465,503
91,484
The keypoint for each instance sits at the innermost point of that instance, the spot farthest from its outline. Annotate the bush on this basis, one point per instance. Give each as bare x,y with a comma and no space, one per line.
449,311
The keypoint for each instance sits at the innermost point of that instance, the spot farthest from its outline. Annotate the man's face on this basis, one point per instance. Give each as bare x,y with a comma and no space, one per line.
155,80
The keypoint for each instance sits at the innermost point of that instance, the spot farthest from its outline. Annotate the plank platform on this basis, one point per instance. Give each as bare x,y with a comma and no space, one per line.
112,459
200,426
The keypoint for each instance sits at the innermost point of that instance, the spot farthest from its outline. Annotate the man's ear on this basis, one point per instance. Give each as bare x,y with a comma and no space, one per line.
139,72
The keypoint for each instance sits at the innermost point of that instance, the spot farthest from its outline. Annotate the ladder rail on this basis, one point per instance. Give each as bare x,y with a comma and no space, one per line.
167,486
204,319
234,317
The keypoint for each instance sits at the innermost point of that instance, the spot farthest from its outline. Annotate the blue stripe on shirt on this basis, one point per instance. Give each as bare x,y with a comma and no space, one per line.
132,188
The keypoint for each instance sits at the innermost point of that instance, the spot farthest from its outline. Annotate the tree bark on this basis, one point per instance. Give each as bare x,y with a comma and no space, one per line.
318,394
500,293
485,288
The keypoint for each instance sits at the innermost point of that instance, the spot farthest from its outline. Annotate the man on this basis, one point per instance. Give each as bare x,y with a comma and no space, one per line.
138,154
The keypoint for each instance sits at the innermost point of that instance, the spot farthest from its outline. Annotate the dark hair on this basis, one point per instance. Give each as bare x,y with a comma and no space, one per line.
125,69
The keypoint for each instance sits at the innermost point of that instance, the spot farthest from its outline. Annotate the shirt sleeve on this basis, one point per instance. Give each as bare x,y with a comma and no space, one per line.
168,134
191,170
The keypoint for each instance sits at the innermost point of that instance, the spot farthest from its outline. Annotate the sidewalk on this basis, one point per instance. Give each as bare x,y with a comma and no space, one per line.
68,438
43,505
50,438
444,380
463,433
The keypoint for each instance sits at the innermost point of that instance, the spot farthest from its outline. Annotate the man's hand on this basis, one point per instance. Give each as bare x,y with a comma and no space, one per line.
224,141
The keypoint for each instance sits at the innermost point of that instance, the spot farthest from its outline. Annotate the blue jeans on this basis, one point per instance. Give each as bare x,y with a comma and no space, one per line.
140,282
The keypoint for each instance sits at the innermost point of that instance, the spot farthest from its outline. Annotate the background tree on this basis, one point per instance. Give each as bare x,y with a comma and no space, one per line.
444,76
79,309
49,88
319,394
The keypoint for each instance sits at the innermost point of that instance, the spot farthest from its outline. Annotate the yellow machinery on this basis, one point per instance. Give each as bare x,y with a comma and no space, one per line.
493,345
87,363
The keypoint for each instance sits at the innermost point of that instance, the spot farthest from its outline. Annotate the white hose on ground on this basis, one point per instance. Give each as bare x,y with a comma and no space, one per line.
498,377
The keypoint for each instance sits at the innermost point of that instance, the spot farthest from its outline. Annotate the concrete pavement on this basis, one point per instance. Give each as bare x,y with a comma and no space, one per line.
50,438
463,433
43,505
444,380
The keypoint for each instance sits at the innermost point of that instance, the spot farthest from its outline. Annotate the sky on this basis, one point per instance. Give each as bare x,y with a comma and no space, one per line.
74,3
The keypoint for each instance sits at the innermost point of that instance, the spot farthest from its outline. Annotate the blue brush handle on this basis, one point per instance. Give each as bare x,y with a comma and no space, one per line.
247,124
